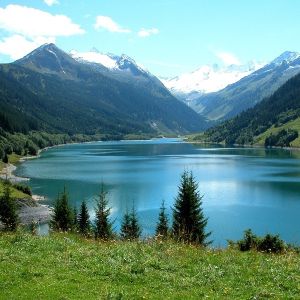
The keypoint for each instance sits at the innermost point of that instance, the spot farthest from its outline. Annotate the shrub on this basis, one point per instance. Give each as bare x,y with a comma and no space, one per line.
269,243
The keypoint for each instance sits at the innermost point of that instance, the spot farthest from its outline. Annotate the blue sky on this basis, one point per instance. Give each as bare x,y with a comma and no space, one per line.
169,37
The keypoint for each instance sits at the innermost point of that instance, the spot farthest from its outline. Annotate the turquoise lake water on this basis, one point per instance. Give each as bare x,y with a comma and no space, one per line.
241,187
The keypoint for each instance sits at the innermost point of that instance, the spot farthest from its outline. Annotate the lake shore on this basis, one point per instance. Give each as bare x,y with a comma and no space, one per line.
29,210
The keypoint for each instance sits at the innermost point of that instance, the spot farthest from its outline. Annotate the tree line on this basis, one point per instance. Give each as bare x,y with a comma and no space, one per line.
188,225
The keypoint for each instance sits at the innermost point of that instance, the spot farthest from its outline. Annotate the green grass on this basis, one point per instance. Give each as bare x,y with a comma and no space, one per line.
15,193
2,165
14,158
295,124
64,266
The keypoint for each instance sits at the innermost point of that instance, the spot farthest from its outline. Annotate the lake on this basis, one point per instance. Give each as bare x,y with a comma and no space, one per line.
242,187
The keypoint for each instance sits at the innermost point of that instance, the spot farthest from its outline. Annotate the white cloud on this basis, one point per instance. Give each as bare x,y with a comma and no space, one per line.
104,22
31,22
16,46
51,2
228,58
147,32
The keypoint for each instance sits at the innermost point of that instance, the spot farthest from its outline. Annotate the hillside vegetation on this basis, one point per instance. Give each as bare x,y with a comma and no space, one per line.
64,266
273,122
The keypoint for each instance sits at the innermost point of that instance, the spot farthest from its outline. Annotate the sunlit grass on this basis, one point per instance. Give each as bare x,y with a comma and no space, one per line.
64,266
14,192
295,124
14,158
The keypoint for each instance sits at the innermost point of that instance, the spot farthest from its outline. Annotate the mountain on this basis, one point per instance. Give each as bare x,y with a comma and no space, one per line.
275,121
249,90
58,93
207,79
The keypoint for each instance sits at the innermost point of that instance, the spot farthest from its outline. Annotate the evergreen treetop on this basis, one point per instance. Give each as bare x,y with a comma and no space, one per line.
189,222
103,225
130,228
162,224
84,219
62,218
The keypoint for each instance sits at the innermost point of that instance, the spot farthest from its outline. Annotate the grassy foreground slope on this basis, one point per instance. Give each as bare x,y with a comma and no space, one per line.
63,266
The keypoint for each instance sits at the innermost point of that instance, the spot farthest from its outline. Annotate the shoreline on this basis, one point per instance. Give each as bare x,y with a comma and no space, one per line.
242,146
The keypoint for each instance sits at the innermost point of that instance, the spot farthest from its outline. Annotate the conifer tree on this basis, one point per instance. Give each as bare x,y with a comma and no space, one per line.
84,219
189,222
130,228
126,226
134,223
103,225
8,211
75,218
62,218
162,224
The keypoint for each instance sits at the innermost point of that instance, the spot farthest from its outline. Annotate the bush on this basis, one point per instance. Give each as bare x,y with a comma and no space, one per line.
269,243
250,241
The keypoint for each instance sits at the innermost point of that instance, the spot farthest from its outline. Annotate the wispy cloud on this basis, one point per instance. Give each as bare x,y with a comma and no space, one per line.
27,28
107,23
227,58
147,32
51,2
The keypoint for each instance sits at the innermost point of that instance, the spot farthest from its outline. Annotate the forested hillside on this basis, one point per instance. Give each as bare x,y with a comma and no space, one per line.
273,122
51,94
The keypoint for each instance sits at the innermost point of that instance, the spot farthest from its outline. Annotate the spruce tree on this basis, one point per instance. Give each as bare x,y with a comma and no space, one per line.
84,219
75,218
126,226
103,225
62,218
162,224
134,223
8,210
130,228
189,222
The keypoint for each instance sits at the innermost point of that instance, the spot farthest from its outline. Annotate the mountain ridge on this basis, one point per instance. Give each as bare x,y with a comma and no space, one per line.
249,90
275,121
74,97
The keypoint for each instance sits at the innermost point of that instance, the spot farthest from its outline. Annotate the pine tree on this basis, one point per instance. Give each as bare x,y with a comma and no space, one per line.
130,228
162,224
126,227
135,227
103,226
62,218
189,222
8,211
84,219
75,218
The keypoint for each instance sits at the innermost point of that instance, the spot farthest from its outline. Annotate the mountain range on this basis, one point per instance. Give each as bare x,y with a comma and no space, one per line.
219,94
249,90
207,79
275,121
54,91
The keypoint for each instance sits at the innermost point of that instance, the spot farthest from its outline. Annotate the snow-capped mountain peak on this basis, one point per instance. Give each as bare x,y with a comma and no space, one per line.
287,56
207,79
95,57
110,61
